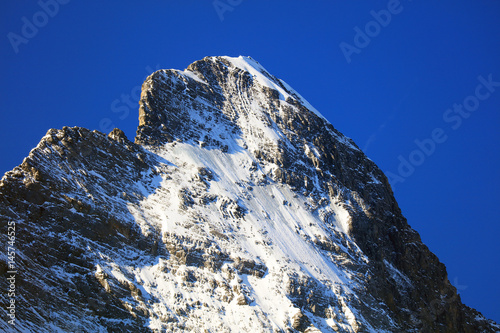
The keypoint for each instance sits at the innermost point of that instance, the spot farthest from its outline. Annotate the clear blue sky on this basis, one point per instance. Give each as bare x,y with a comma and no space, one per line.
84,63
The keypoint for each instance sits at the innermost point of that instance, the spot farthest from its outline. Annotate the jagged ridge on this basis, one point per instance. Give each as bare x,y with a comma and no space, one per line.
238,207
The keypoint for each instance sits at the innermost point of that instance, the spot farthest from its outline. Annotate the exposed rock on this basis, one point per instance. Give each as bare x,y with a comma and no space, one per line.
236,207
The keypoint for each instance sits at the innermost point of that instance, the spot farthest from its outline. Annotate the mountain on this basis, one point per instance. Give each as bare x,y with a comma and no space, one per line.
238,208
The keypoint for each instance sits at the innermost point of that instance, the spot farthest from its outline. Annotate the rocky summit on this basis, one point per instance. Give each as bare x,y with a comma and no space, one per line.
238,208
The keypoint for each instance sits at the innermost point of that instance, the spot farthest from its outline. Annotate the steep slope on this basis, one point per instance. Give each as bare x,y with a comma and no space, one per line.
238,208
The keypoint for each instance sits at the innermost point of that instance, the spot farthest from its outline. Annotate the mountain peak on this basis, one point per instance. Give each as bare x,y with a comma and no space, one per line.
237,208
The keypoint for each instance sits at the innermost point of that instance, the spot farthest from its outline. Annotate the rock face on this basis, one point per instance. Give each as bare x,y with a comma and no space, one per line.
238,208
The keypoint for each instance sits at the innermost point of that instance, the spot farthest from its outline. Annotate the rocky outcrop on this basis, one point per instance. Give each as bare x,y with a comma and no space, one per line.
238,207
64,200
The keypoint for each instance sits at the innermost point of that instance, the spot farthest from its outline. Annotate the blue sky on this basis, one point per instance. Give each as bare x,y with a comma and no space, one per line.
416,84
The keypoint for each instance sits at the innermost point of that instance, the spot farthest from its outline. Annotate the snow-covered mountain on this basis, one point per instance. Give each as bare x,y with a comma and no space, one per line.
239,208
